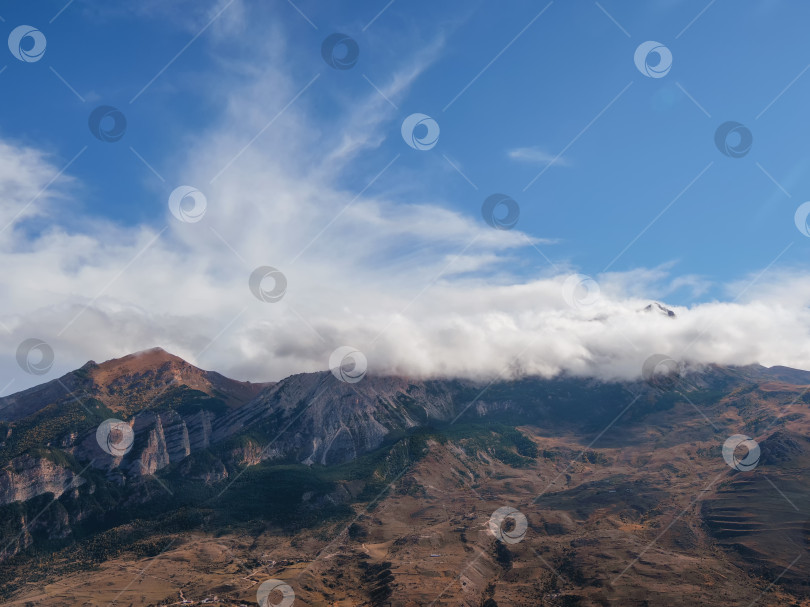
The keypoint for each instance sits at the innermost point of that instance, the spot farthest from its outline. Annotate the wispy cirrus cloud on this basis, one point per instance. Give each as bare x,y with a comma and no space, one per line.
362,129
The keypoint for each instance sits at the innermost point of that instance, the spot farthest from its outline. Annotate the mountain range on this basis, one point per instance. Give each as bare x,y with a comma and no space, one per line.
382,491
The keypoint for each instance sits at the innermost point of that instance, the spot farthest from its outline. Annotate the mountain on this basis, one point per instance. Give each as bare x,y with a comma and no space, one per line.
657,308
383,491
129,384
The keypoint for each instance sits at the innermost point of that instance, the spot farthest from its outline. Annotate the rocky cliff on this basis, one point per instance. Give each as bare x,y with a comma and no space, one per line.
28,476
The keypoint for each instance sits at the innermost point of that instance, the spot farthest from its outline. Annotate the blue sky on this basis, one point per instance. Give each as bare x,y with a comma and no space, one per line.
639,196
540,93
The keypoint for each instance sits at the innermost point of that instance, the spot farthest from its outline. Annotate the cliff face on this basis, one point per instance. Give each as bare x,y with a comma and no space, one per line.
155,455
27,476
333,422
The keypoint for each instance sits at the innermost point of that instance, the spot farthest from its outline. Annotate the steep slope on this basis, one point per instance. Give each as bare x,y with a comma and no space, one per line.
315,418
763,517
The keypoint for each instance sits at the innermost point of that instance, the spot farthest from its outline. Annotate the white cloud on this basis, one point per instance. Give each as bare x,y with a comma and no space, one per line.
538,156
24,174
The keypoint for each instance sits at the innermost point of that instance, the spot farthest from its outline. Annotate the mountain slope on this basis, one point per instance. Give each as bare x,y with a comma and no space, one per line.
349,490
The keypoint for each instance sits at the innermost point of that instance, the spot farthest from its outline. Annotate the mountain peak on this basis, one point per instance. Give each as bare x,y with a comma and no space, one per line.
137,362
130,383
658,308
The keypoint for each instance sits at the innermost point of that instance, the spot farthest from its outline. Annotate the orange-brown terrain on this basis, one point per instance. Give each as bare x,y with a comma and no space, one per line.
625,490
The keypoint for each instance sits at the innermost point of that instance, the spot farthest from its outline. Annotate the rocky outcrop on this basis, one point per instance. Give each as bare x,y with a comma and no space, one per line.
209,472
198,427
27,476
155,454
